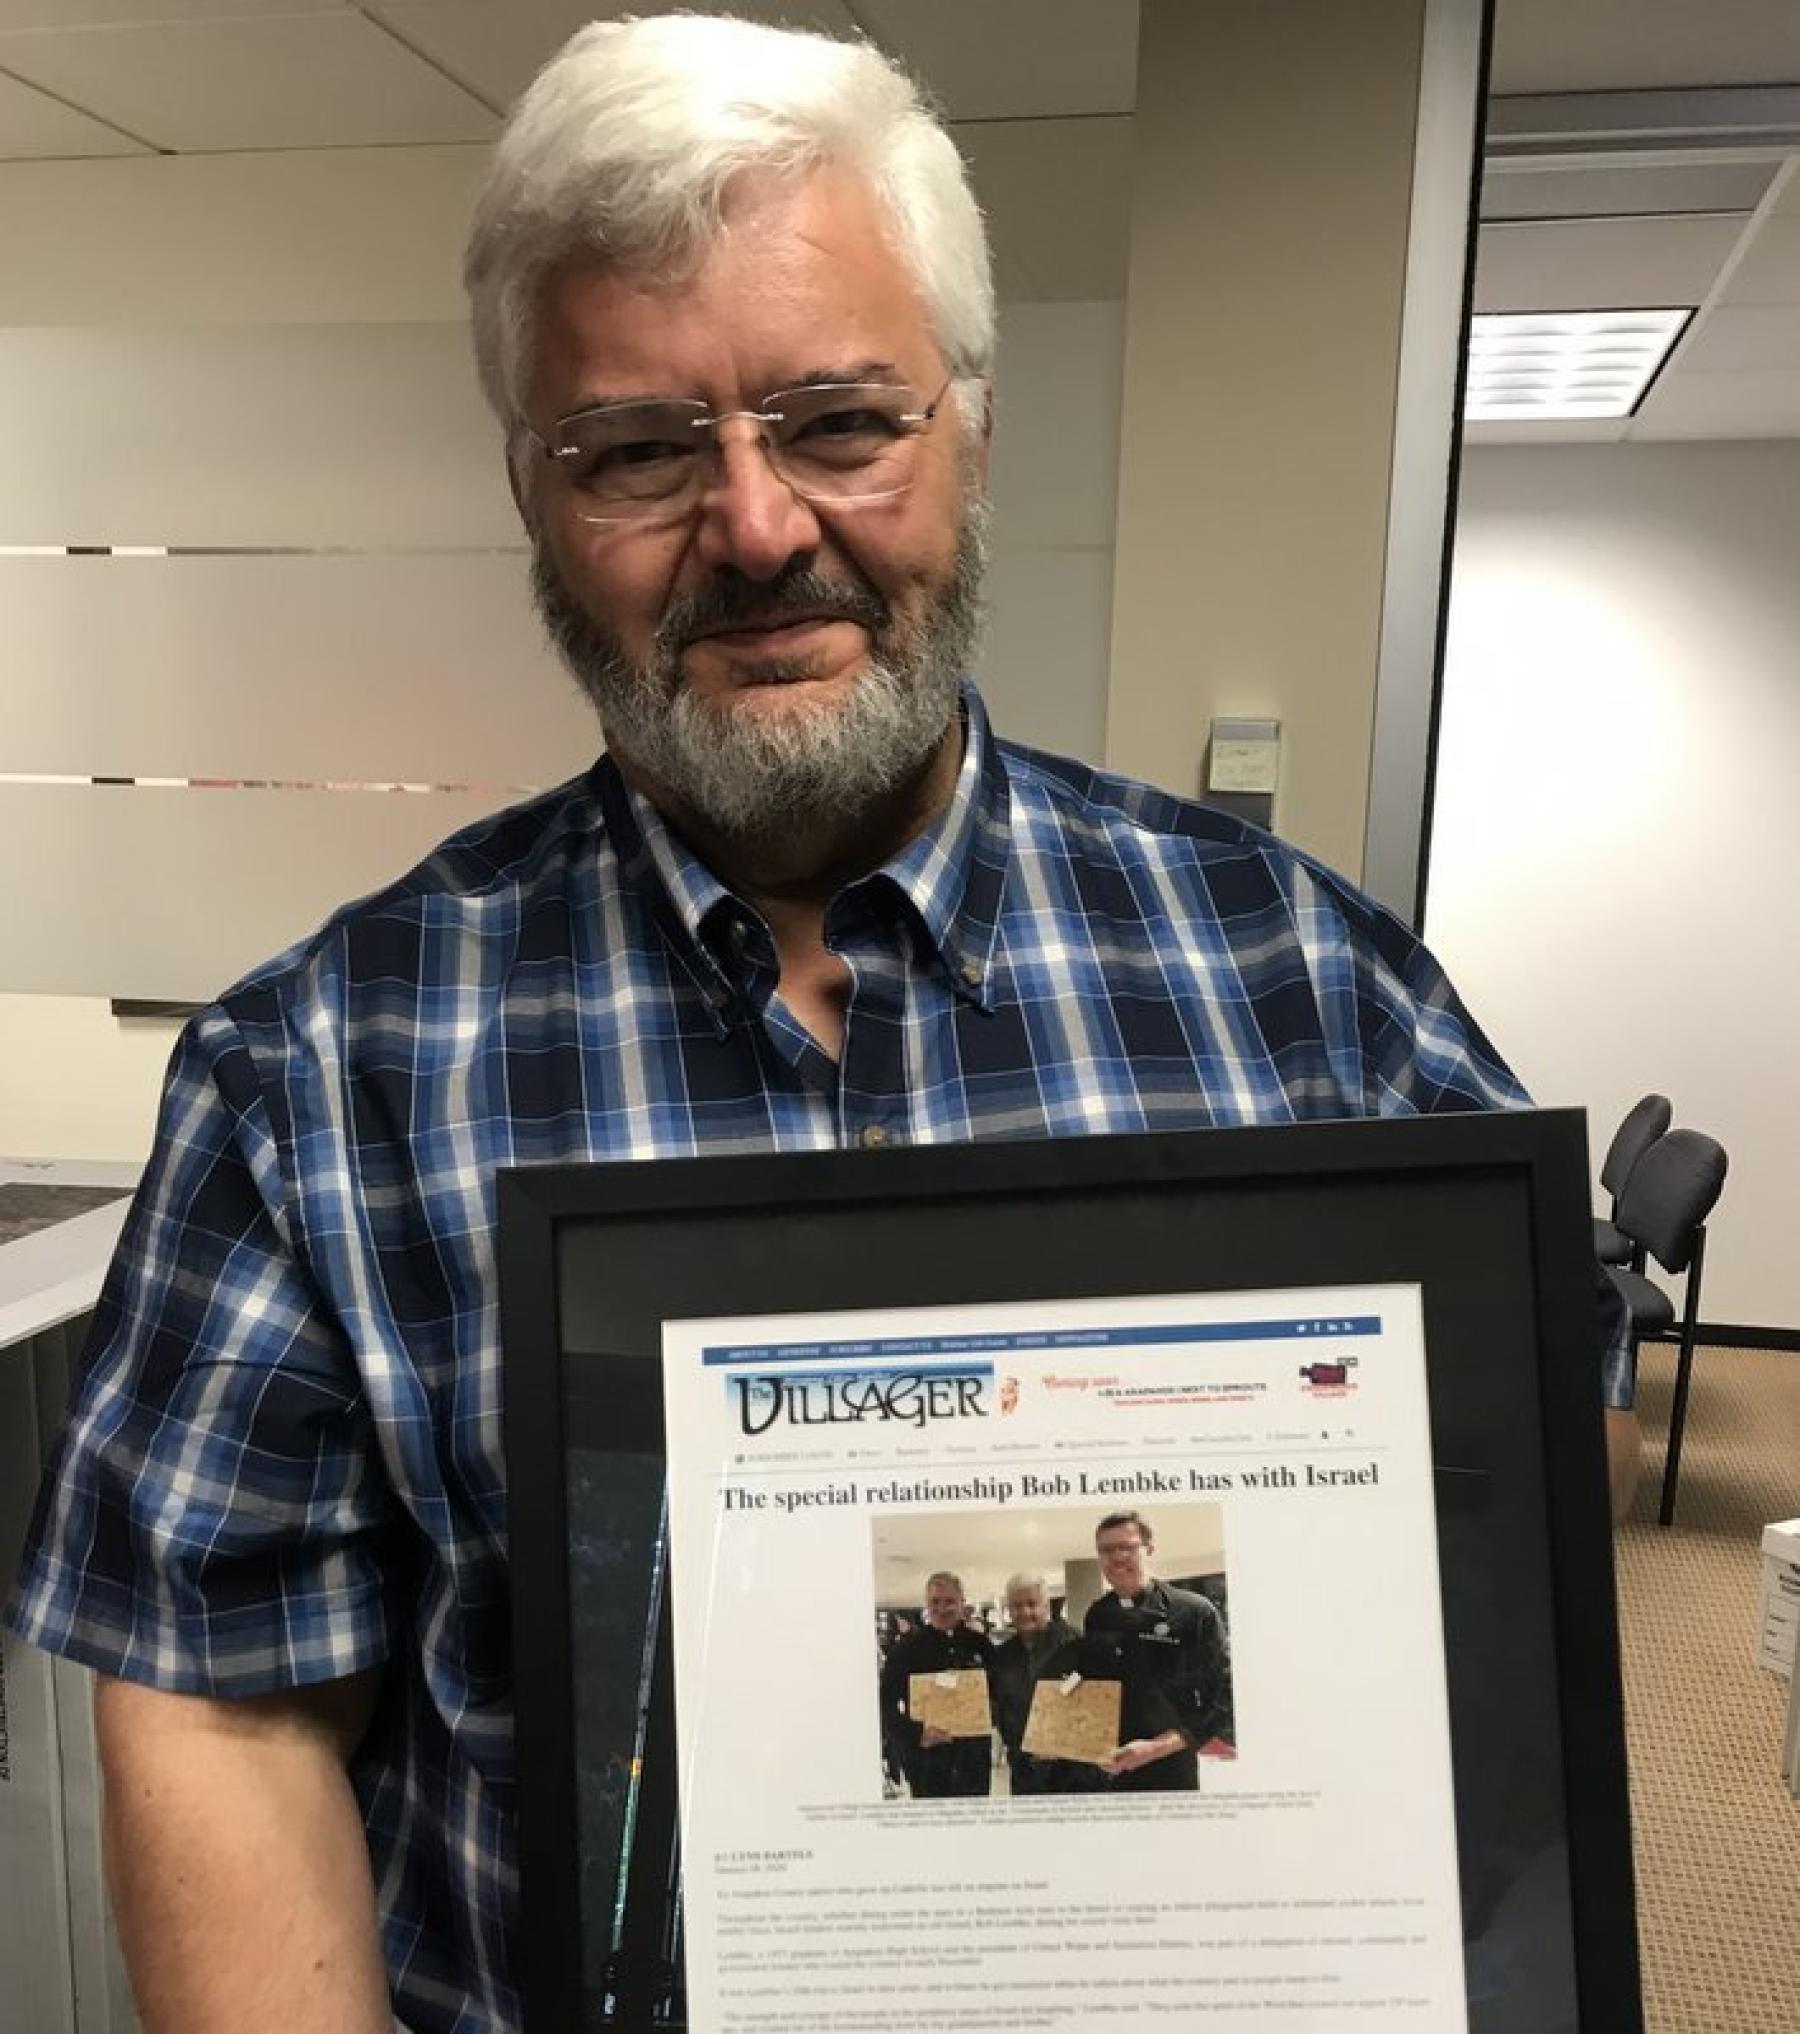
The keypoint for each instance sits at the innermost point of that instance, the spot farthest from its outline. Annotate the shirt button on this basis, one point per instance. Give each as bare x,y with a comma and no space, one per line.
872,1137
971,974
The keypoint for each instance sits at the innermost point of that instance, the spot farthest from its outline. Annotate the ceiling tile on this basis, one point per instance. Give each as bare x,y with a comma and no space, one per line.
285,81
497,50
106,13
1564,431
1601,264
1746,338
1770,270
1057,194
1684,405
1015,59
32,125
1640,45
1603,190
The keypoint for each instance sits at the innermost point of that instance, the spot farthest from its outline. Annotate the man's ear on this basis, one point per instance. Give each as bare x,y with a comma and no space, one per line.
986,446
515,487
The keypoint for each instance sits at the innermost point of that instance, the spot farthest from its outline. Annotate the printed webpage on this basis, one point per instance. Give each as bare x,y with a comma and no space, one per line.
1068,1662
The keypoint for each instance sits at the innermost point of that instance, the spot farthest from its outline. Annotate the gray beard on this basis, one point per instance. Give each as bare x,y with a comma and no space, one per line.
753,775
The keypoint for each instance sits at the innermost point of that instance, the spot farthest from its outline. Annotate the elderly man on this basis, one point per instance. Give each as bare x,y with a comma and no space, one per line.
936,1764
732,305
1042,1644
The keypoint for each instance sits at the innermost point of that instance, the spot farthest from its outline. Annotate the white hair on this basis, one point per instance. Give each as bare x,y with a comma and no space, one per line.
1024,1584
624,148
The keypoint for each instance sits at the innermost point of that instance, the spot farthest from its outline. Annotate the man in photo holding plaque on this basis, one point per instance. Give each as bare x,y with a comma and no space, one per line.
932,1662
1042,1646
1172,1660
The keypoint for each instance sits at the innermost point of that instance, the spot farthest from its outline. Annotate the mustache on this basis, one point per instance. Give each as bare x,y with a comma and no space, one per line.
732,601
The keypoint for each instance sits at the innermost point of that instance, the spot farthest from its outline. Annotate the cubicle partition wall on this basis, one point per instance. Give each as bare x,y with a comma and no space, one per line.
61,1971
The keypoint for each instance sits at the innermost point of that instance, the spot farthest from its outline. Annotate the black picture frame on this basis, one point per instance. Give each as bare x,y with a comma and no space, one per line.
1487,1214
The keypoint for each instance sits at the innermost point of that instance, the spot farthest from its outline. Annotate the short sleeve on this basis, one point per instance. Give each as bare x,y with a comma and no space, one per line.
1423,1051
215,1518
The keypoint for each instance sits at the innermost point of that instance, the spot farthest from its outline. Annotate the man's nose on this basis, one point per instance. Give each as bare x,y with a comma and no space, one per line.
750,518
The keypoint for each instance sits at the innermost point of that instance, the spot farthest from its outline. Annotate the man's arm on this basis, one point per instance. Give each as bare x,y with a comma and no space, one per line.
236,1860
897,1727
1189,1696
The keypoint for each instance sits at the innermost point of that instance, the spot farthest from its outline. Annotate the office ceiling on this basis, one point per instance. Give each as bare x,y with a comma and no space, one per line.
1692,198
1642,45
1678,183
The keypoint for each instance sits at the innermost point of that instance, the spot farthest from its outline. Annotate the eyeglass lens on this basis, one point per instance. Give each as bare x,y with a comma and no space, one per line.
829,443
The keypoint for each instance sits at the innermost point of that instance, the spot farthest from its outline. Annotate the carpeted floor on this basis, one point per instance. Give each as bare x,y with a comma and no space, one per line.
1717,1836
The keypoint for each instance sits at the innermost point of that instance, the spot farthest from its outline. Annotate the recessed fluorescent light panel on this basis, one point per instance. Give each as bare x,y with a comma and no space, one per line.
1539,367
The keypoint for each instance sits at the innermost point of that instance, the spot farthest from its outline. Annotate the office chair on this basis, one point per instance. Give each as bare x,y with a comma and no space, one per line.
1644,1123
1663,1209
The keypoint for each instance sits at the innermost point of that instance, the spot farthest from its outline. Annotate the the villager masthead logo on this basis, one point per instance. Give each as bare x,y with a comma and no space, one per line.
813,1398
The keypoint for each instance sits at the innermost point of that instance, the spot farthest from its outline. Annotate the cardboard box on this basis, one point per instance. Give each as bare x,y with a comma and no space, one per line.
1778,1605
1790,1743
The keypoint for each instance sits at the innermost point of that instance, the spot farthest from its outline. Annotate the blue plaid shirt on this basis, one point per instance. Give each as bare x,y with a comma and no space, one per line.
284,1460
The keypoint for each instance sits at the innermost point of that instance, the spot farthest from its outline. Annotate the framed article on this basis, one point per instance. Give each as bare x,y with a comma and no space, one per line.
1160,1577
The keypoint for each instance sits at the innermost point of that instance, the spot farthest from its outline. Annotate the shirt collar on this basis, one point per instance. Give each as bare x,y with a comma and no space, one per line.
951,876
1146,1599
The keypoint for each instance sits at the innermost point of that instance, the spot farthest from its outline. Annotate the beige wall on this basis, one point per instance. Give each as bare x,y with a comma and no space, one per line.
1613,860
268,355
1268,259
75,1081
1248,519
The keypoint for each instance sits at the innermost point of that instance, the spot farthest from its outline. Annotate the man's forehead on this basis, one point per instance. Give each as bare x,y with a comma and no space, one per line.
803,284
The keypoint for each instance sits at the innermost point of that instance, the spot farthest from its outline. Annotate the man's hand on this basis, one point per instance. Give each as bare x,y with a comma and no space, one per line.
236,1860
1144,1751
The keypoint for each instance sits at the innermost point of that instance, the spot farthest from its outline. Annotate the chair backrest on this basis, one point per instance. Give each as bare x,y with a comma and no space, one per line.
1671,1191
1644,1123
